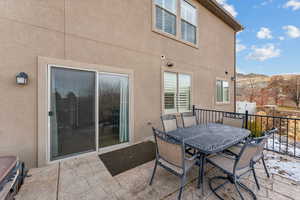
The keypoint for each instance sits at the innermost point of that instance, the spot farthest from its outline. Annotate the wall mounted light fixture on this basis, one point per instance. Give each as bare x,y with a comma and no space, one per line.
170,64
22,78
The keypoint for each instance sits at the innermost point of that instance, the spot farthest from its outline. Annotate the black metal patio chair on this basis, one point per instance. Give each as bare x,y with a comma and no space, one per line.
233,121
169,122
170,155
261,142
188,119
235,168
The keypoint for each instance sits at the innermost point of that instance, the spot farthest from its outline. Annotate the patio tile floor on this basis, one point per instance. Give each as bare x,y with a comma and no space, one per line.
86,178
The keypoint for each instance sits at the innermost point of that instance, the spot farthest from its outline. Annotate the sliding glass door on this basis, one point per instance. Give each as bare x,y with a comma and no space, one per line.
72,112
78,99
113,109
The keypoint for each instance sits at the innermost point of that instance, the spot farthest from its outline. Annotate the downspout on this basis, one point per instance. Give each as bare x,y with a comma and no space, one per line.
234,90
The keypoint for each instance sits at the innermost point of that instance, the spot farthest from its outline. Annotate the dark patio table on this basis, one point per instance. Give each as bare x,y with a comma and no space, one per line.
209,139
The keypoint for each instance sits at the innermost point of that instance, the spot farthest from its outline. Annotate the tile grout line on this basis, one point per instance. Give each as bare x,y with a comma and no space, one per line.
58,177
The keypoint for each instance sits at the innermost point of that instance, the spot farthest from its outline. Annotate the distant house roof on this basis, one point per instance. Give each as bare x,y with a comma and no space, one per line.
219,11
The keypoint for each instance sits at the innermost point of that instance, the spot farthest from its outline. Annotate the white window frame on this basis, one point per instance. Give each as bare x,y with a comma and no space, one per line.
177,37
166,10
43,105
223,97
177,89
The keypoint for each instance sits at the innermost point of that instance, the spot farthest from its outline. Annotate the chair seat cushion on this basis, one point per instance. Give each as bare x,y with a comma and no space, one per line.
236,149
188,165
7,163
235,122
226,164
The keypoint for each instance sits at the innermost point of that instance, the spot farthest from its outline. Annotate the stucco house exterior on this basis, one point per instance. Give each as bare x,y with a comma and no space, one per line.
100,72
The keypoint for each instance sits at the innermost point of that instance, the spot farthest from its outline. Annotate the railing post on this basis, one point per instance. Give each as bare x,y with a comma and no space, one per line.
194,110
246,120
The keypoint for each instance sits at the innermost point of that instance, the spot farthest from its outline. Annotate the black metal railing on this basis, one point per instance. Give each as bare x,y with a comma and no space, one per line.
285,141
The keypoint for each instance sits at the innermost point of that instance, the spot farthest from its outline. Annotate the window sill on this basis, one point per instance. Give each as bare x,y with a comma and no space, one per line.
176,113
222,103
168,35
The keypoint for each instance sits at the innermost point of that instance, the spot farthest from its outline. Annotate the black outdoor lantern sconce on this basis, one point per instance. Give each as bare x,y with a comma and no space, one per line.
22,78
170,64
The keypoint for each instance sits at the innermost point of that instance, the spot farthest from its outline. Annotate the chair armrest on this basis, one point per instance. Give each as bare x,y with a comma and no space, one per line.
230,153
194,157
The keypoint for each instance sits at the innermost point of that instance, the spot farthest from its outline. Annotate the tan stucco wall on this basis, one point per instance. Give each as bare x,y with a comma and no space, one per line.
108,32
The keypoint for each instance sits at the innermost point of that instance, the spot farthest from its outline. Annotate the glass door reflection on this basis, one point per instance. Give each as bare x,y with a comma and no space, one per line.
72,112
113,109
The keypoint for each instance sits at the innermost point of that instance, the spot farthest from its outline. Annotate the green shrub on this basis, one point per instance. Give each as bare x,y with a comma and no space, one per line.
256,128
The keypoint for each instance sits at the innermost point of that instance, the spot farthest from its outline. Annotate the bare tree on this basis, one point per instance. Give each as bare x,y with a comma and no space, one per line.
263,96
276,85
293,90
252,90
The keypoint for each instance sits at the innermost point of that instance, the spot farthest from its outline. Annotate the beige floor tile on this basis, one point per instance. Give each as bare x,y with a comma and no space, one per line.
87,178
41,185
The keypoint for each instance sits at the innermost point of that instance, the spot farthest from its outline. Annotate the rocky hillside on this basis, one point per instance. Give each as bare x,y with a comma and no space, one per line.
266,90
251,75
252,80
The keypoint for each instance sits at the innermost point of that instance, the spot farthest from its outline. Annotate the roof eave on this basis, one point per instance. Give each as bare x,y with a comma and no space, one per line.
219,11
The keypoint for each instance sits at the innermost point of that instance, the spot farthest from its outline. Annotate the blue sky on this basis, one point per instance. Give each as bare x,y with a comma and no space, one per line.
270,43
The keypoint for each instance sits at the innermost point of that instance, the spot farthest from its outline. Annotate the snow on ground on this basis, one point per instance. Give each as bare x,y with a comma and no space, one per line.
291,148
284,166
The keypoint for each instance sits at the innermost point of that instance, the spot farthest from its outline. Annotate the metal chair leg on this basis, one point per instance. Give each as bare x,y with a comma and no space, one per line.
182,184
265,166
238,190
199,177
236,183
214,190
255,178
247,189
201,164
153,173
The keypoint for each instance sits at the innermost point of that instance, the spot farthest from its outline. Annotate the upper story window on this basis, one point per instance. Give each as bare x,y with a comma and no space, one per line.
188,22
176,18
177,92
222,91
166,15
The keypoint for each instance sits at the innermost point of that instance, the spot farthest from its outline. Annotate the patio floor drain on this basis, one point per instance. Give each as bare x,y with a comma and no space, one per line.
127,158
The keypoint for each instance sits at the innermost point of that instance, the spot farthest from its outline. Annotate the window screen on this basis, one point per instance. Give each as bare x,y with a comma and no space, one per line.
222,91
170,91
177,92
188,22
184,93
166,16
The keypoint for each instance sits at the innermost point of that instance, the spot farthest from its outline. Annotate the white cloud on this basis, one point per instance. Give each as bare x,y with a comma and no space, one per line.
264,53
294,4
264,33
281,38
230,8
240,47
264,3
292,31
